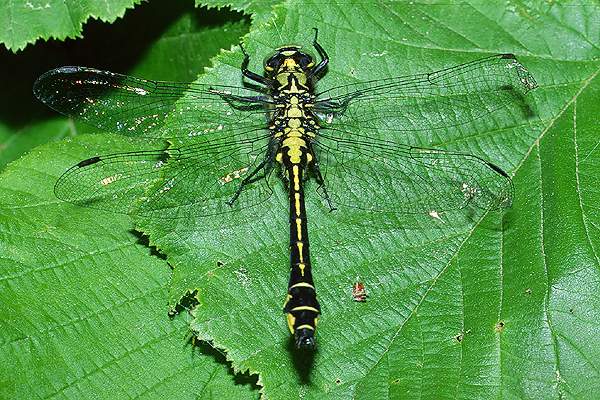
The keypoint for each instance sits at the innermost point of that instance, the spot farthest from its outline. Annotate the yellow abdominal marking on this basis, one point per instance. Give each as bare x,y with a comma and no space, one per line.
295,154
306,326
302,284
305,308
300,246
299,228
297,204
291,320
296,178
301,266
287,299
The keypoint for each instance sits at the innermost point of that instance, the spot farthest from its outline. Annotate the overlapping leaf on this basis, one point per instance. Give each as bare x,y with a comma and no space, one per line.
84,312
455,305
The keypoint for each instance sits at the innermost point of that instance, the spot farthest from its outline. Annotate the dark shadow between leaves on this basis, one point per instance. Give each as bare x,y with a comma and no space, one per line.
144,240
207,349
187,302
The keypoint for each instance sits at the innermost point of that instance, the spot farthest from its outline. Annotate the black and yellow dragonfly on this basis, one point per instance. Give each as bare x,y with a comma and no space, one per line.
354,140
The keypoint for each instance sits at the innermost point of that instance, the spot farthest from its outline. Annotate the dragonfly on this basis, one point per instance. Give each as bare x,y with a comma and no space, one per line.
230,145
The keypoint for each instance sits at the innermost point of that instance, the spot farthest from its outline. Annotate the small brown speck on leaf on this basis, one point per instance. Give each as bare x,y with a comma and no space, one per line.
499,326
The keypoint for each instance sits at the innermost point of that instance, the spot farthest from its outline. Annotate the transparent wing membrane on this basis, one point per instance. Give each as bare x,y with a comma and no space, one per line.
369,160
375,175
194,180
367,157
145,108
438,100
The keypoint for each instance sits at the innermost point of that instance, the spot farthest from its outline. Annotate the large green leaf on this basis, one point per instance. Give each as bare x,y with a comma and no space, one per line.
26,22
492,306
83,301
84,310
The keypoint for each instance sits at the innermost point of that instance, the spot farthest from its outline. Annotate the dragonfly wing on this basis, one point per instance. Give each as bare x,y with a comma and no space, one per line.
145,108
377,175
438,100
194,180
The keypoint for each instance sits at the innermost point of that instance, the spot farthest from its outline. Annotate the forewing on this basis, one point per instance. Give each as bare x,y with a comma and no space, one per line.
438,100
193,180
146,108
375,175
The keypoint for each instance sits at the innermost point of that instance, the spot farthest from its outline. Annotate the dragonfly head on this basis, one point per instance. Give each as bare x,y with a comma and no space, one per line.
289,59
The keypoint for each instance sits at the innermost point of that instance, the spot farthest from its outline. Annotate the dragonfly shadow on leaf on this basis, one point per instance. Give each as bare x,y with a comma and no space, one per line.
302,360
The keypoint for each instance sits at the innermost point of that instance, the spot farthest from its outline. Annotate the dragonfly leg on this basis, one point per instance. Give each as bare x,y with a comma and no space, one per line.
252,75
324,57
247,180
245,103
322,187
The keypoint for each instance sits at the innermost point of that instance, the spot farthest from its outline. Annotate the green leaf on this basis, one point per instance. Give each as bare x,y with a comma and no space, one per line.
26,22
84,302
492,306
14,143
260,10
84,312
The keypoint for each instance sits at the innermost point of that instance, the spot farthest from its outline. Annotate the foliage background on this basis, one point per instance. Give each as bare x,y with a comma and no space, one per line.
500,305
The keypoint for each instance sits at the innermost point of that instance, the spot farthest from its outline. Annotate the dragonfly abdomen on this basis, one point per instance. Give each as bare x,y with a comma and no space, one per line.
301,304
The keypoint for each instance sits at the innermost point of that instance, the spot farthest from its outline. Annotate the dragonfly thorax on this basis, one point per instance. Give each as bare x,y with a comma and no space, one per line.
295,126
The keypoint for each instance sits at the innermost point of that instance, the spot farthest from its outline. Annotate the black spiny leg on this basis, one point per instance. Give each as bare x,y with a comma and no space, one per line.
324,57
248,180
321,182
251,75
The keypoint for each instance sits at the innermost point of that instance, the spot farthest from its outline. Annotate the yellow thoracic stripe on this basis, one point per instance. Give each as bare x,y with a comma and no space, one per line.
305,308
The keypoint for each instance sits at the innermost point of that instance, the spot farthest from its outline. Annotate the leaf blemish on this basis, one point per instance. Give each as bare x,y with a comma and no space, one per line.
242,276
499,326
459,338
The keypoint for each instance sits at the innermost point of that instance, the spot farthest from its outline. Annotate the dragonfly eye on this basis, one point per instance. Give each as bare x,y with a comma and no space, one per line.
274,62
305,61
